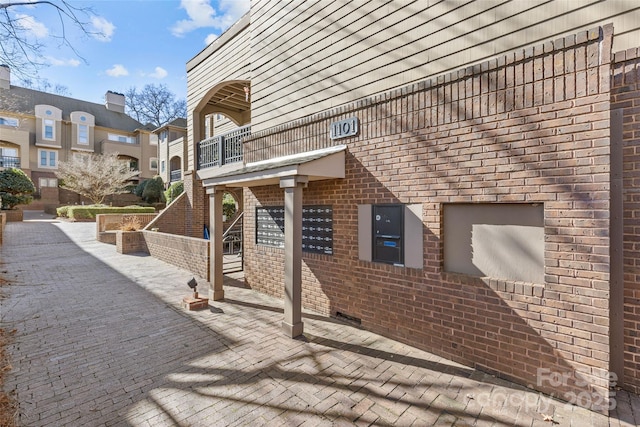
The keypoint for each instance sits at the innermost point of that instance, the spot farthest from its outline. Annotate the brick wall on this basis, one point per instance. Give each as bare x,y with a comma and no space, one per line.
172,219
189,253
128,242
626,96
197,206
532,126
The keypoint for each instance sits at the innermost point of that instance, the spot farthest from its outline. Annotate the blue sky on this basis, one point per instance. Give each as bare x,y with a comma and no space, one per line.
141,42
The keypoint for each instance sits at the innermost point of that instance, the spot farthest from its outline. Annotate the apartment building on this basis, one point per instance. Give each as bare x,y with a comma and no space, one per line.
459,176
172,150
39,129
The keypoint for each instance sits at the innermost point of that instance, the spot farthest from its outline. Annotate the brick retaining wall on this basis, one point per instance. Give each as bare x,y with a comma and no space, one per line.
189,253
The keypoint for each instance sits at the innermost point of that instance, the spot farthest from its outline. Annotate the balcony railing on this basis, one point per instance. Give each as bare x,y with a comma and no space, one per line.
175,176
222,149
9,162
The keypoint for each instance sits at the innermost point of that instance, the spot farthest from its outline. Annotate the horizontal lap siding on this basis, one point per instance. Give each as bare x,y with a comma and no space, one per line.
312,56
230,62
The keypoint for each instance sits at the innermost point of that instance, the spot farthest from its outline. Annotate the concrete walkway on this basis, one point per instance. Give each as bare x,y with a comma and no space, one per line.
101,340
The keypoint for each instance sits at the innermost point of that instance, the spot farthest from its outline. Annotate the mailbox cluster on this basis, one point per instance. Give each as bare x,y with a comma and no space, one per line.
317,228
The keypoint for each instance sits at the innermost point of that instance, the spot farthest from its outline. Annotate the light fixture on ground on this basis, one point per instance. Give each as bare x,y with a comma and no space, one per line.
194,302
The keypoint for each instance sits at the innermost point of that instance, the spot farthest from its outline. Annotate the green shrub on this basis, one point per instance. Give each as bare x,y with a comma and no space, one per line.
16,188
154,190
63,211
139,189
89,212
174,191
228,205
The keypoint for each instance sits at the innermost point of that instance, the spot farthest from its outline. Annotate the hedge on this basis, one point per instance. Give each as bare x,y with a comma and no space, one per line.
89,212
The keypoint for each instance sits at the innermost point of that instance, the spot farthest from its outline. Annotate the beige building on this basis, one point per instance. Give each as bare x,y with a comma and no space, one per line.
39,129
172,150
459,176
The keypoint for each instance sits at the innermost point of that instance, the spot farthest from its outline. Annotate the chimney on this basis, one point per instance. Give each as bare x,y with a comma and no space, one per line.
5,77
114,101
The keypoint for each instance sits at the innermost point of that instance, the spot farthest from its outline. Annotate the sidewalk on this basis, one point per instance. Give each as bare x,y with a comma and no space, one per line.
101,340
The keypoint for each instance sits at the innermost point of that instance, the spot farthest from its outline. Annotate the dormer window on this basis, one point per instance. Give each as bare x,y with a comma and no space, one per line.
83,127
48,130
83,134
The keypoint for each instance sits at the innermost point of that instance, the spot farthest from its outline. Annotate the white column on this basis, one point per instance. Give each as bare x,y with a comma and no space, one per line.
216,291
292,324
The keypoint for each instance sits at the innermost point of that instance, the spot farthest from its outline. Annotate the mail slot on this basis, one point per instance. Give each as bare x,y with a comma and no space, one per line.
388,230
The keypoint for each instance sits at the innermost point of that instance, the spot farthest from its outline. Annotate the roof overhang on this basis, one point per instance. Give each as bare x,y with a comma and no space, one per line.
327,163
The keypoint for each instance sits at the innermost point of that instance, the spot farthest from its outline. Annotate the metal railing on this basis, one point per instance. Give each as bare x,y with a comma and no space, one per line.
9,162
222,149
232,246
175,176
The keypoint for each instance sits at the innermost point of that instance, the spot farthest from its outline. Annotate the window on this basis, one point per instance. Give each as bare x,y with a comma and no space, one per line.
391,234
122,138
162,168
9,158
48,182
9,121
8,152
48,129
47,159
83,134
153,163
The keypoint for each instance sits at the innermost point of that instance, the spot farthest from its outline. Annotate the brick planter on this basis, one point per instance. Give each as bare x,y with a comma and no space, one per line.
130,242
13,215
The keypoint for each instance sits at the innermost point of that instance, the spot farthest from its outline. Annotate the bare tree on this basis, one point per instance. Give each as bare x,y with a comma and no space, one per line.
22,52
155,104
95,176
44,85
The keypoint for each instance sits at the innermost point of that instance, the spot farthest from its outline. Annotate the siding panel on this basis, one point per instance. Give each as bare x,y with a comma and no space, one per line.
311,56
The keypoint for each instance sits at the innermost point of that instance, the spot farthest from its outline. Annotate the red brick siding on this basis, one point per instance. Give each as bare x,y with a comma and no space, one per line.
625,95
532,126
185,252
130,242
172,219
196,208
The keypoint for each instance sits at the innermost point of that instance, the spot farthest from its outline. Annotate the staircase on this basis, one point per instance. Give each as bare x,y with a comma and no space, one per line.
233,260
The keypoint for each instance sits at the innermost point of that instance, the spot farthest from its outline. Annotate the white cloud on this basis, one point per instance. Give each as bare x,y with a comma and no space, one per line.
210,39
202,15
118,70
104,29
29,23
63,62
159,73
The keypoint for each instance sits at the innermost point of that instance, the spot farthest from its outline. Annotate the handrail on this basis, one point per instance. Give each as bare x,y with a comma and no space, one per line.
232,225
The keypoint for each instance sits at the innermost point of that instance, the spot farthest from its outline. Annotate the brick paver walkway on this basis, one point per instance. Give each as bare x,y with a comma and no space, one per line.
101,340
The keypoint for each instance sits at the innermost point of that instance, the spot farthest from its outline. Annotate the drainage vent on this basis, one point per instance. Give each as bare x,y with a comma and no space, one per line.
348,318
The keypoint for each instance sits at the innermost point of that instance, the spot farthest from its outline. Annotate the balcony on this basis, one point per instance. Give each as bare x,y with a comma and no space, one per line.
222,149
175,176
9,162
